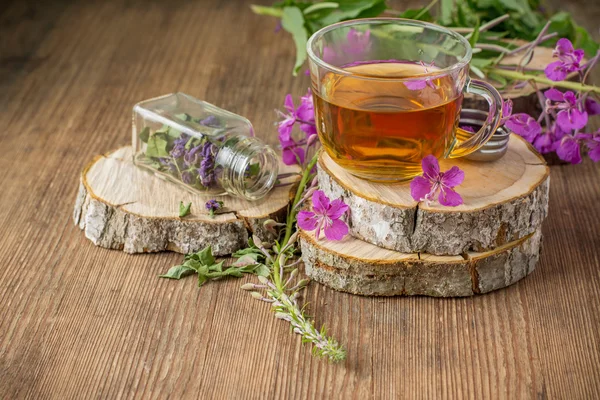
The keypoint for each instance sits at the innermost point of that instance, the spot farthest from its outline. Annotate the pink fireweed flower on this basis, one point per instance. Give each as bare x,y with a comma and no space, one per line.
326,216
569,116
286,125
569,61
420,84
438,184
592,107
568,149
357,42
306,114
592,142
293,152
524,125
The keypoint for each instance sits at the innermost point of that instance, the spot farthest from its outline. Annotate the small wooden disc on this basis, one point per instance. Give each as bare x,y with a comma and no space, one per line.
120,206
504,201
357,267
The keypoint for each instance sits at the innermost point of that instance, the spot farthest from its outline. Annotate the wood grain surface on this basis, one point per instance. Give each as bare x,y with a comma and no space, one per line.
79,321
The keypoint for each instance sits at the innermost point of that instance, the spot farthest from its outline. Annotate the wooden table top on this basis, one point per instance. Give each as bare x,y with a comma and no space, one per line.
79,321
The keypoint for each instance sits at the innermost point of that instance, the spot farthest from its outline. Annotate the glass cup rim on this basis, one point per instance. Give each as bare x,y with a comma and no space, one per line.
466,58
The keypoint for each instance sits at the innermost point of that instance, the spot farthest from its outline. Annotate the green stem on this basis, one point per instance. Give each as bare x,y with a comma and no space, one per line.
291,217
540,79
424,10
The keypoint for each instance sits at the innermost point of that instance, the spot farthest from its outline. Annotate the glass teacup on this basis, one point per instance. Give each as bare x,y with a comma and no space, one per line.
388,92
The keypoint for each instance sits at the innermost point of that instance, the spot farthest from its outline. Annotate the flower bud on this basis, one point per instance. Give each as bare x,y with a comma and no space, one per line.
270,225
256,295
312,139
293,238
263,280
247,286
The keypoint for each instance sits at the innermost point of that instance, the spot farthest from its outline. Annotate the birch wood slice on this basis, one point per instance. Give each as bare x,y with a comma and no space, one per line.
357,267
504,201
120,206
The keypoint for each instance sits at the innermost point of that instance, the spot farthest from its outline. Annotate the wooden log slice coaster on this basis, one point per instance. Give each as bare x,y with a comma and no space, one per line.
504,201
357,267
120,206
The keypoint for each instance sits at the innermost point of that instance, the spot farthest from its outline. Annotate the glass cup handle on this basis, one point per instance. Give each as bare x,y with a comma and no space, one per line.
475,141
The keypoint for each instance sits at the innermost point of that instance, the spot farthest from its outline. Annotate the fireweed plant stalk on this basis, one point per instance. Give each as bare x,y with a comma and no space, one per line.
281,288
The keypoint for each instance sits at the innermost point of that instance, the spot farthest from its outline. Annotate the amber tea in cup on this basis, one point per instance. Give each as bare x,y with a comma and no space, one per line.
388,92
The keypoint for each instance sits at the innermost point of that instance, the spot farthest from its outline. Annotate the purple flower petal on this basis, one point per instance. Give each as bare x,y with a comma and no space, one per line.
568,150
416,84
337,230
467,128
453,177
543,143
556,71
308,129
572,119
320,202
449,197
554,94
594,149
419,188
292,153
431,167
337,208
524,125
288,103
285,129
563,47
592,107
307,220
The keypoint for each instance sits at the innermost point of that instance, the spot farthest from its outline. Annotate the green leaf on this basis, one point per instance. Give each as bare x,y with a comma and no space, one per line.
262,270
418,14
157,146
500,79
205,256
474,35
144,134
446,8
184,117
481,62
178,272
270,11
202,279
293,22
583,40
351,9
183,209
320,6
218,267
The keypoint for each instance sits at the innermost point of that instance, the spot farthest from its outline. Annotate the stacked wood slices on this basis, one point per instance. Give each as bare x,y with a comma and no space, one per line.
398,246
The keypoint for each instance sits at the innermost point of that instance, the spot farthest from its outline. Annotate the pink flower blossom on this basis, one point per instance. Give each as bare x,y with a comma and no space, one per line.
569,61
435,183
357,42
420,84
592,107
294,151
326,216
524,125
568,149
569,116
592,142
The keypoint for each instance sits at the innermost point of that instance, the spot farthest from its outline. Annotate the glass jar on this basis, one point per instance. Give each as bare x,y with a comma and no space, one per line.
202,147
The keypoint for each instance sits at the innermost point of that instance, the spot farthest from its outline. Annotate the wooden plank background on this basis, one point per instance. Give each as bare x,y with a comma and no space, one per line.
79,321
